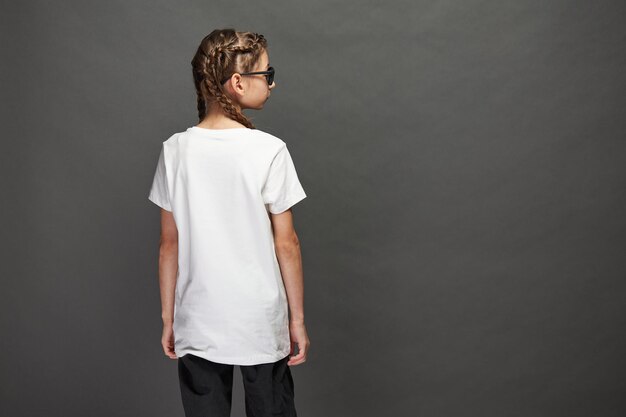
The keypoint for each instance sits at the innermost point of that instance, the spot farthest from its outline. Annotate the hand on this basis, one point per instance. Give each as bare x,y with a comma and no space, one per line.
297,333
167,341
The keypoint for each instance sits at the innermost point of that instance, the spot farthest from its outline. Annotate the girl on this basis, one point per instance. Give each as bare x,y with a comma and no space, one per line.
230,268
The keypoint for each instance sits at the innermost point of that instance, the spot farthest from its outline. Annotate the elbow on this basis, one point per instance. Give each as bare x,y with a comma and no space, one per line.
168,246
287,246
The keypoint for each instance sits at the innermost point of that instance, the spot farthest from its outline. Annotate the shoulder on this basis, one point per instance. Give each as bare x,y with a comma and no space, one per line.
267,139
171,145
173,138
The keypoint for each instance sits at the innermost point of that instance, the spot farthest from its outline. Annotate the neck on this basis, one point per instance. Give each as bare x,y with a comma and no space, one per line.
216,119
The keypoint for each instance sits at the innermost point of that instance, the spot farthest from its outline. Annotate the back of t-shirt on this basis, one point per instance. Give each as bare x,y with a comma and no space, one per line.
220,186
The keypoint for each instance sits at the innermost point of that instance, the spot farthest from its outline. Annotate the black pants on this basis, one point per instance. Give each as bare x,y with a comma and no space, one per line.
207,388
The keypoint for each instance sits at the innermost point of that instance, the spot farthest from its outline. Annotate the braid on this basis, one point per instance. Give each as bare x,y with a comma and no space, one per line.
201,104
215,87
210,68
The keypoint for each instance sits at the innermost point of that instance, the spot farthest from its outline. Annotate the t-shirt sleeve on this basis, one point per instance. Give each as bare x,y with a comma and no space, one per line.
159,193
282,188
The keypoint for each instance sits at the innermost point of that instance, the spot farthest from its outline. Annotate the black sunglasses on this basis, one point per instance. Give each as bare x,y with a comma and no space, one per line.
269,75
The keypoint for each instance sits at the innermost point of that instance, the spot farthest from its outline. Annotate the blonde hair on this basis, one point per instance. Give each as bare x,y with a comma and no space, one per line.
220,54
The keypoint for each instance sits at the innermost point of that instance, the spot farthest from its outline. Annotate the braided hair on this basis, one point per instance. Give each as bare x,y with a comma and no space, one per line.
220,54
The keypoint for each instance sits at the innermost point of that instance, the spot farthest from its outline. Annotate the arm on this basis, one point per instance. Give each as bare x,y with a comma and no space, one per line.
168,269
289,257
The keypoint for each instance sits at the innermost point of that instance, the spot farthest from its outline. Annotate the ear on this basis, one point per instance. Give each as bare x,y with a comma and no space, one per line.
236,85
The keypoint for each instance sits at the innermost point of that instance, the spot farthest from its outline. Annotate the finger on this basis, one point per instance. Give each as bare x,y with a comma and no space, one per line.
293,361
168,349
171,353
299,358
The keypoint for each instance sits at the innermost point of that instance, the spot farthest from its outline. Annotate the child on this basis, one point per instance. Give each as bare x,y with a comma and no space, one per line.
230,268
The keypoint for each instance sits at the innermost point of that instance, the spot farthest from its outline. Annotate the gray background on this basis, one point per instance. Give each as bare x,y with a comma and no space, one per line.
463,235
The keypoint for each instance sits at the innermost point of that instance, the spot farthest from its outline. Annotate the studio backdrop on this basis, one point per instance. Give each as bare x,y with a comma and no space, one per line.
463,235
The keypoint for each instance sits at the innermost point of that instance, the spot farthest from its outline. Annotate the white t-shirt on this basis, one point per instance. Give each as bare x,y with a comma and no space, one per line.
230,302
